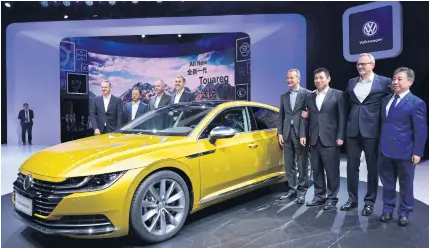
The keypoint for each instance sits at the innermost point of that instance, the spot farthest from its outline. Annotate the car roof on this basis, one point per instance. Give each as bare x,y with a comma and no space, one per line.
229,103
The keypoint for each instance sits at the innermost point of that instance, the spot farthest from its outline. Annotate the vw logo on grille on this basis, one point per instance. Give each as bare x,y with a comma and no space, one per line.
370,28
28,181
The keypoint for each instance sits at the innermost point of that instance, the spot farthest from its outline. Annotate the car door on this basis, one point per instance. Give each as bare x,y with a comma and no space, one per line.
231,162
264,124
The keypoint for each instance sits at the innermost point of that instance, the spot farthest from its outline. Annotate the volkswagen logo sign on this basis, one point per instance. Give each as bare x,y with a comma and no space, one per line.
241,93
370,28
28,181
245,49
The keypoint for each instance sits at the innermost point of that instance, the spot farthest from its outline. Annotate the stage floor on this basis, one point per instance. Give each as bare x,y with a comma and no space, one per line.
257,219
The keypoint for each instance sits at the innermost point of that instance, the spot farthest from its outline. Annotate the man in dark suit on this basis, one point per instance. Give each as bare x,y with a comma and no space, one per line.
106,111
402,142
26,116
161,98
181,95
288,127
327,121
135,108
363,98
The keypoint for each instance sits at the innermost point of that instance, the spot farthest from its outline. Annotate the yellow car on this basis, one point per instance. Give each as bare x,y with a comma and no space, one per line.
148,176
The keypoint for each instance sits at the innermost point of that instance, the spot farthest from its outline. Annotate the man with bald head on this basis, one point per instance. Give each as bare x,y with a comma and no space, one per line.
363,98
161,98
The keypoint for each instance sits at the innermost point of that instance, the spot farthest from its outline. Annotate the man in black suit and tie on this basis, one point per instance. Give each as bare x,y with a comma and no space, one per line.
326,119
181,95
363,98
161,98
106,111
26,116
288,127
135,108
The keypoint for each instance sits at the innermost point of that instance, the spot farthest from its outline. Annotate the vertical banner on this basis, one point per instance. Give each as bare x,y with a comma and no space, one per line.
242,68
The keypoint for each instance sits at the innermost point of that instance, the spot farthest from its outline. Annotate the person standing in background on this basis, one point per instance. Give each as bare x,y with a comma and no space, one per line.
161,98
291,105
363,98
402,143
106,111
181,95
26,116
136,107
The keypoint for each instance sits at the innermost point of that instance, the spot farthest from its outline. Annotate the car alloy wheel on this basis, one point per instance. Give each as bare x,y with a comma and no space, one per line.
160,206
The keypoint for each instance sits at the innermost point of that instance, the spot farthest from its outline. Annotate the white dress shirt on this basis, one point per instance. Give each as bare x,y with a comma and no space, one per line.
401,96
320,97
178,95
158,99
134,107
363,88
106,100
27,116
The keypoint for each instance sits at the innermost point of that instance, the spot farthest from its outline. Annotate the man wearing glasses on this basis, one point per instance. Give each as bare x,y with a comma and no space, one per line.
363,98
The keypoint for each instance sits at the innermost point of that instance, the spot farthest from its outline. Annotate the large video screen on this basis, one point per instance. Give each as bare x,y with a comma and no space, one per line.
210,76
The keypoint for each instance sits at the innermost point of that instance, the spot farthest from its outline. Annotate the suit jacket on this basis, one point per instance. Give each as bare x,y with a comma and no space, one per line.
185,97
128,111
404,131
329,123
287,114
165,100
364,118
21,116
113,117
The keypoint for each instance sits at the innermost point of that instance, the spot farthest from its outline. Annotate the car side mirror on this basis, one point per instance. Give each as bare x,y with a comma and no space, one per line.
221,133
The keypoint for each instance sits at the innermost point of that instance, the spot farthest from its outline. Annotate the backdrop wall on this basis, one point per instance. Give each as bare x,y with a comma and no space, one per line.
278,43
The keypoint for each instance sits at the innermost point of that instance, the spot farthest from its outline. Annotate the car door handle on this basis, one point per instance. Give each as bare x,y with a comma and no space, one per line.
253,145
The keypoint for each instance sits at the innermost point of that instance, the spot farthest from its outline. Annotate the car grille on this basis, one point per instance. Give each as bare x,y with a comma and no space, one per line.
47,195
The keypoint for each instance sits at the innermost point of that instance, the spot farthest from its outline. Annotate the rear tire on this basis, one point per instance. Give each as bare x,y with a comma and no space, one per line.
160,207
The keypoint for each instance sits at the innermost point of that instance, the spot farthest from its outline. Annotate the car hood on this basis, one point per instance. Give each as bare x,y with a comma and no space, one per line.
81,156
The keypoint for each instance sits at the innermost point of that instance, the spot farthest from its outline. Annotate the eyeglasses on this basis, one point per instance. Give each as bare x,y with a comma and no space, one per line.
363,64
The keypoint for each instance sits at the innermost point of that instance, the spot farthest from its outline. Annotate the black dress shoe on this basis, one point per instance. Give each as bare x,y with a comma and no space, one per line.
300,199
289,195
349,206
314,203
367,210
385,217
403,221
330,206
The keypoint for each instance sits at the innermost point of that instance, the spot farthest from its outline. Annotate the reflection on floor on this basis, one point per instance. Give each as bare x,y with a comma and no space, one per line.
258,219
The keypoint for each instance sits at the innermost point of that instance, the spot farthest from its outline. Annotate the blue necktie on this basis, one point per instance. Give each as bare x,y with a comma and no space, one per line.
393,105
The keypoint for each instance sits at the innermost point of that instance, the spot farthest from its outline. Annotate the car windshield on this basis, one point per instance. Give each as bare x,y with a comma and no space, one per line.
173,120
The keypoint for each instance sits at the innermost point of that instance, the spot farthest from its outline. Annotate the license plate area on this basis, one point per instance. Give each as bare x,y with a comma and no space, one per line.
23,204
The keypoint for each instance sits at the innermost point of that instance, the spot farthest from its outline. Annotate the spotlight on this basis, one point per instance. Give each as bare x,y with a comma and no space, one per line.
88,3
143,35
112,2
135,2
66,16
179,35
7,5
66,3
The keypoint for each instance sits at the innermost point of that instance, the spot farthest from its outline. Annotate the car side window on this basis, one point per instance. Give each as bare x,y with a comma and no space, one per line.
264,118
235,118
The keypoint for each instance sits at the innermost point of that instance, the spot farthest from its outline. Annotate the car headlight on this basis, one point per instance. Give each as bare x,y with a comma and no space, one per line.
90,183
103,181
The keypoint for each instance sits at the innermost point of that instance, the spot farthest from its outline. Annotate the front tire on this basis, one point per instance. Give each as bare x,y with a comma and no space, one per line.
160,207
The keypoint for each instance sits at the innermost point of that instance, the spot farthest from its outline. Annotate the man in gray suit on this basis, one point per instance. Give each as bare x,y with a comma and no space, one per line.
106,111
161,98
288,127
326,125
